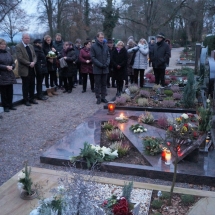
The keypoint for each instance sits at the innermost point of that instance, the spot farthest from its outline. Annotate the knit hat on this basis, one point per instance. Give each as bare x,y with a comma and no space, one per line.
152,38
109,41
161,35
37,41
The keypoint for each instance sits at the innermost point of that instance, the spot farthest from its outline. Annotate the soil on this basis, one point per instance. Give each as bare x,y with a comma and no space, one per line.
177,207
133,156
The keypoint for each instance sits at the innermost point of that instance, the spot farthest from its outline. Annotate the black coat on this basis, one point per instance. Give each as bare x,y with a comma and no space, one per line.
46,48
151,47
100,57
120,58
71,60
41,64
6,77
111,63
160,55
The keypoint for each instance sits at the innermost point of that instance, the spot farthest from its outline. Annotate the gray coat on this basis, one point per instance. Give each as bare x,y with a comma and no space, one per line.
141,57
100,57
6,77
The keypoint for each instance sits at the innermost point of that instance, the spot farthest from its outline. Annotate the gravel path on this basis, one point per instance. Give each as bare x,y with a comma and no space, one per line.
27,132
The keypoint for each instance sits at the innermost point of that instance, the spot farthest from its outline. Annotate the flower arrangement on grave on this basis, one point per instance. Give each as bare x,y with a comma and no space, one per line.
152,145
94,154
51,54
122,148
109,125
120,205
204,117
25,184
137,128
146,118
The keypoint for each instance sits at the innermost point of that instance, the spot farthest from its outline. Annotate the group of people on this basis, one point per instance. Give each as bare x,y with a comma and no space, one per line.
102,60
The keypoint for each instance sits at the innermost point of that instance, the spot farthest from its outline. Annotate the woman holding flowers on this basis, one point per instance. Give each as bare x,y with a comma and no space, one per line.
50,53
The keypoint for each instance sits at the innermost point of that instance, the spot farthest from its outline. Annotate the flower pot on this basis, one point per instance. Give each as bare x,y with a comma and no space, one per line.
24,195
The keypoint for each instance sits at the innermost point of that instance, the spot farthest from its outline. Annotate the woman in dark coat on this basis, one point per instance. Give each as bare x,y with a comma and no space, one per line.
119,60
7,77
86,66
68,53
51,65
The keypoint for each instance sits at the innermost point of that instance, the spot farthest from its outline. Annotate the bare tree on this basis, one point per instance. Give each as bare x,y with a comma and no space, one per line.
14,23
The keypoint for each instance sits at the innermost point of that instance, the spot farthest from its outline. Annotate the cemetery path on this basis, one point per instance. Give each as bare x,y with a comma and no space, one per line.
29,131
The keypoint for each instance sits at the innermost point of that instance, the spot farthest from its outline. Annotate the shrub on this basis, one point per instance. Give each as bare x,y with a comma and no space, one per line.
187,199
126,96
110,125
145,93
175,88
156,204
189,93
177,96
133,89
114,135
185,70
152,145
122,149
168,92
156,87
162,122
168,103
120,100
143,102
146,118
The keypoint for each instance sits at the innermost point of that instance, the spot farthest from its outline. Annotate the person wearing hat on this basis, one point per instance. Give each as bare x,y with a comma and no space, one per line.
151,46
160,56
40,67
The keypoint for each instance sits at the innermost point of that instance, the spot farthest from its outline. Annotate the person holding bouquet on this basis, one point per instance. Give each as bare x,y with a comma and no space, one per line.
51,56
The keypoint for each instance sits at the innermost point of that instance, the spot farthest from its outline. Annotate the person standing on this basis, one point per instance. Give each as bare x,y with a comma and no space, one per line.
140,60
101,59
119,60
160,56
51,65
7,77
26,61
69,55
151,46
77,48
86,66
40,67
58,45
170,47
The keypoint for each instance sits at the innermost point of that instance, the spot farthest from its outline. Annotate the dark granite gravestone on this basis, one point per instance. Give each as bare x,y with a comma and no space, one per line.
211,77
197,56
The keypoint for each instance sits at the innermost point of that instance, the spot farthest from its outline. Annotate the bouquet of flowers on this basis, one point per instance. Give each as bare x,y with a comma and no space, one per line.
51,54
138,128
146,118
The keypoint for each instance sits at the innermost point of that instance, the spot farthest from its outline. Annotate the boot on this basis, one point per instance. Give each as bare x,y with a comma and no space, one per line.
49,92
53,91
118,91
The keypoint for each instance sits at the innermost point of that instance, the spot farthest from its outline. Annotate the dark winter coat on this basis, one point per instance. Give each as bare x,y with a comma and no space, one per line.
83,57
130,70
151,47
120,58
160,55
6,77
71,60
58,45
41,64
111,63
46,48
100,57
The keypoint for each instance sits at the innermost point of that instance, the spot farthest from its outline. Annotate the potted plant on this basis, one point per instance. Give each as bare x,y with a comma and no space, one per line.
25,184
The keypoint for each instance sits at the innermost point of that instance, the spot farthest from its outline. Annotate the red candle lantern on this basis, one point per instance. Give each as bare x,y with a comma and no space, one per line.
163,154
111,108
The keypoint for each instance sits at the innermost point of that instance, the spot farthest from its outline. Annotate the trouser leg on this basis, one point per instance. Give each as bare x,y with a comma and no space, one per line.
136,71
25,86
52,77
39,82
156,73
31,85
70,83
91,81
65,83
141,77
84,81
103,85
7,95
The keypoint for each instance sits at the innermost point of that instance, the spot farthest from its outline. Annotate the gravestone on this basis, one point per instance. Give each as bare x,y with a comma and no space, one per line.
197,56
211,77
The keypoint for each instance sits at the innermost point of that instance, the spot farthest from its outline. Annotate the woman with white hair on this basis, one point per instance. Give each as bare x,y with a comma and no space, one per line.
140,60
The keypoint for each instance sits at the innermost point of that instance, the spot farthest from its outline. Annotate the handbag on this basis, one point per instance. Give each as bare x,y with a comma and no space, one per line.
63,63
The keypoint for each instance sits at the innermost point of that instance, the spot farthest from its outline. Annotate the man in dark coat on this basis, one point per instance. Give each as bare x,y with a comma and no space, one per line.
40,67
151,47
101,59
26,61
160,56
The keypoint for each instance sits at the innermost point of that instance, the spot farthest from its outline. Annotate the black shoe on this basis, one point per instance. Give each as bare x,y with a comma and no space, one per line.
27,104
42,98
104,100
98,101
80,83
33,102
12,108
6,109
65,91
69,91
84,91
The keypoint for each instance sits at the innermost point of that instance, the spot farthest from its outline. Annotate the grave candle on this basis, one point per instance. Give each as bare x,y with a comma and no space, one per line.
163,154
168,157
111,107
